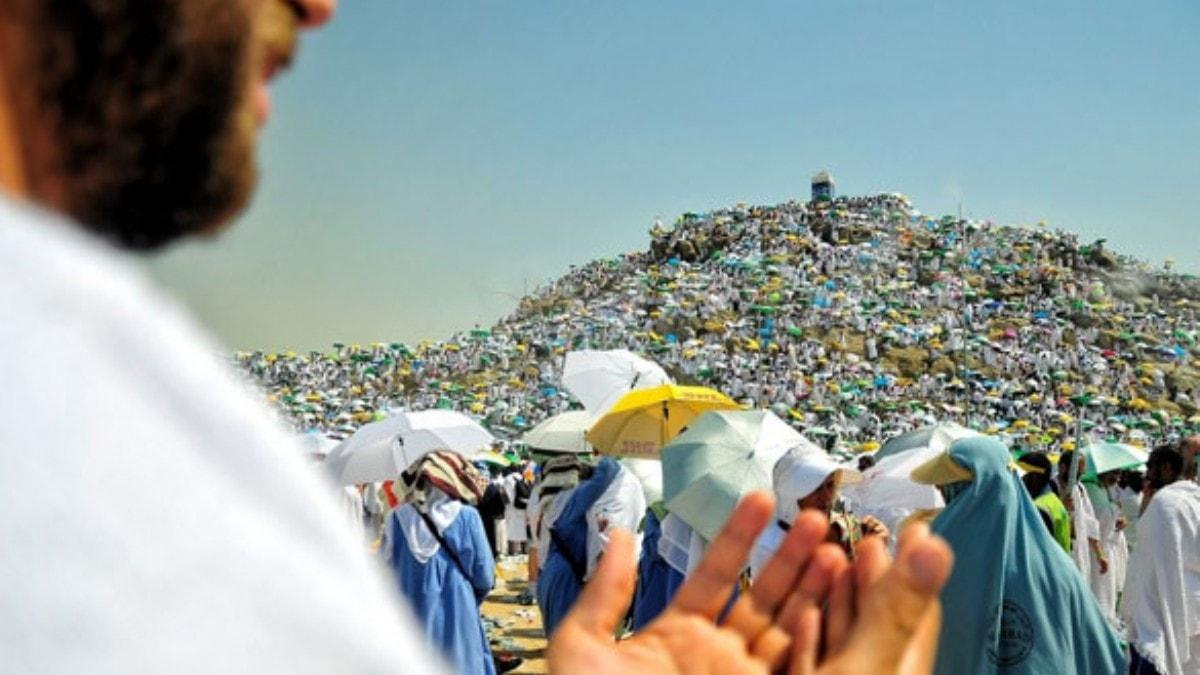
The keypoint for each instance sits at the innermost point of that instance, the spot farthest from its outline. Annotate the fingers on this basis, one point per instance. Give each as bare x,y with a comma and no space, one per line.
828,563
753,612
773,645
779,577
841,612
707,590
871,562
807,641
606,598
922,650
895,607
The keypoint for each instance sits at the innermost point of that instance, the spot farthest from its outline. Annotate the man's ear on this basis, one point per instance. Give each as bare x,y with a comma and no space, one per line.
14,180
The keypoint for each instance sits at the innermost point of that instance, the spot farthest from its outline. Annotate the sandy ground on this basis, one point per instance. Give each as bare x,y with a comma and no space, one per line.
518,627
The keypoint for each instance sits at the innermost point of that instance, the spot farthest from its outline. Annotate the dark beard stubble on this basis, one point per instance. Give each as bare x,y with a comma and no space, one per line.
146,106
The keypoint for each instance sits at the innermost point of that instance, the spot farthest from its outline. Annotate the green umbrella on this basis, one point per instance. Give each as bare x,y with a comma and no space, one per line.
719,458
1105,457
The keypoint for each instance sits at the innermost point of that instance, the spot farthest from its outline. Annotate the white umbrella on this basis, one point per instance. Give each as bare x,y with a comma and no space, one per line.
719,458
314,444
599,378
381,450
562,433
937,436
649,473
888,493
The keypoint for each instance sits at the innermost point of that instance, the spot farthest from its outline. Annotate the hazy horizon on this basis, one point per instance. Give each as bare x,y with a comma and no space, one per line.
426,163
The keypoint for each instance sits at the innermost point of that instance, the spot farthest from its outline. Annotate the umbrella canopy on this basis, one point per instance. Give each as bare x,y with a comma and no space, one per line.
316,445
643,421
718,459
937,436
493,458
600,378
889,493
649,474
381,450
1105,457
561,433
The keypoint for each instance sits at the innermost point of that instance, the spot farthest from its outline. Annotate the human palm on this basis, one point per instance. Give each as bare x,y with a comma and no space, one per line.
880,618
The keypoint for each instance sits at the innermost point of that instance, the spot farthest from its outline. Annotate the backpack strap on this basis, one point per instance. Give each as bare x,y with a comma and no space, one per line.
442,541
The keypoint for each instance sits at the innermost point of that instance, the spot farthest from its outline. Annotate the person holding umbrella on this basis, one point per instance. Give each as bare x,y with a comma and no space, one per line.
804,479
1085,528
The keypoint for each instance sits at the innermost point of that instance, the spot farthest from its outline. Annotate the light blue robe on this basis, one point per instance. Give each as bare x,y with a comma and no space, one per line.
1015,602
561,577
445,602
657,581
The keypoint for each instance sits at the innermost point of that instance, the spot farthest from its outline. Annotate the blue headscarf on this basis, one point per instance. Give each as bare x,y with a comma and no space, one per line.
1014,602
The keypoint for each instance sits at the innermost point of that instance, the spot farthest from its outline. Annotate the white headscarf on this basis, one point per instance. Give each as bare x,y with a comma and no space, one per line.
798,474
442,510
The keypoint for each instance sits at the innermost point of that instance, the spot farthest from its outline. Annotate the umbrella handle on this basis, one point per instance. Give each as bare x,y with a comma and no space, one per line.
666,421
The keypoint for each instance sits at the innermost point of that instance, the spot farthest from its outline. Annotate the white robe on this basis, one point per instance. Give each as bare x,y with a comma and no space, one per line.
1162,594
514,518
1106,585
196,538
1085,527
621,505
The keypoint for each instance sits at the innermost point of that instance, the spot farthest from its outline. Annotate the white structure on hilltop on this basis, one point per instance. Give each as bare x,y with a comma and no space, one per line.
823,187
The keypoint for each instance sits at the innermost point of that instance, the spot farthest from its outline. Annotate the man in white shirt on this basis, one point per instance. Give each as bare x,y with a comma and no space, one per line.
1162,594
196,540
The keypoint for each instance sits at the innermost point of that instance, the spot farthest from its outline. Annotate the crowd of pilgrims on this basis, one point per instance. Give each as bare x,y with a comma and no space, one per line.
1081,572
855,319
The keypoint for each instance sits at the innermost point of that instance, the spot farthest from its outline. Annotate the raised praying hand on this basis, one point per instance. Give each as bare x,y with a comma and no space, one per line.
880,617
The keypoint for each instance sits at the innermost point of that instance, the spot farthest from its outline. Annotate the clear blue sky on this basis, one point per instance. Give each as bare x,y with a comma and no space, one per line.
427,161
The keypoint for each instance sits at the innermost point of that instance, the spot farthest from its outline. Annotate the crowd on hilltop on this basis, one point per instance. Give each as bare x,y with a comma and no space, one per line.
854,318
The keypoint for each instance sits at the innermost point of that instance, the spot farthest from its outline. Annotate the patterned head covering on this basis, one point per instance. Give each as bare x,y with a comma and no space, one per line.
447,471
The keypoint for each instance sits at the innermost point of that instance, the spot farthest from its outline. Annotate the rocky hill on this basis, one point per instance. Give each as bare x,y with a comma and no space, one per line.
854,318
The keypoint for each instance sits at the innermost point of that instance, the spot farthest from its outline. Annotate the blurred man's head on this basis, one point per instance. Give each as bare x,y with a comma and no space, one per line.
1064,468
1165,466
1037,473
1190,449
139,118
823,497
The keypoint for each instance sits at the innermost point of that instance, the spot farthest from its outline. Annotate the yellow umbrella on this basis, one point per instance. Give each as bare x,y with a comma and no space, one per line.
644,420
